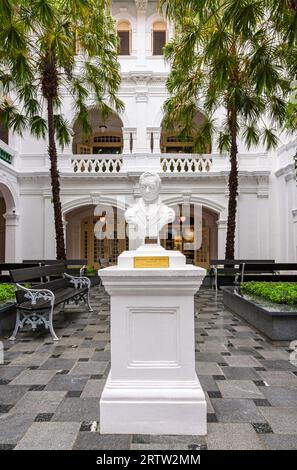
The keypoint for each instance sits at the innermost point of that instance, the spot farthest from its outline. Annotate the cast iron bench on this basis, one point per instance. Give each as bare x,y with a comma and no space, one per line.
67,263
268,272
6,267
35,305
224,267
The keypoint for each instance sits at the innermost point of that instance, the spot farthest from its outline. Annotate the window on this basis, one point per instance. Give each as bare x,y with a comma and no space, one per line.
159,37
124,32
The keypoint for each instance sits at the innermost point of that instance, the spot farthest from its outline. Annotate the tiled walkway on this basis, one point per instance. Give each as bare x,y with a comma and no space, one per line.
49,392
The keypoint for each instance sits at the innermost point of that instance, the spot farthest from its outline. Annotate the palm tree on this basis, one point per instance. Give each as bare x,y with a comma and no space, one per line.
216,65
283,20
39,62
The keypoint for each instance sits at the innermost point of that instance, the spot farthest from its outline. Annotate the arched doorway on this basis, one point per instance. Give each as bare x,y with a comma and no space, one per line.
96,234
106,136
172,142
9,220
194,233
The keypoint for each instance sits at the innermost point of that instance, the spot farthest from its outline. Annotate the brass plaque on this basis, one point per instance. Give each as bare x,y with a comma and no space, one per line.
151,261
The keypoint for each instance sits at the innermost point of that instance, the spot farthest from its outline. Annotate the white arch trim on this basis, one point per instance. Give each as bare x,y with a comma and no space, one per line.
125,16
93,201
10,195
159,116
207,203
122,116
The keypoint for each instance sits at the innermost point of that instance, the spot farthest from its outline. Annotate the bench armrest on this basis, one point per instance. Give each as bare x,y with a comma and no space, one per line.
36,294
78,281
83,270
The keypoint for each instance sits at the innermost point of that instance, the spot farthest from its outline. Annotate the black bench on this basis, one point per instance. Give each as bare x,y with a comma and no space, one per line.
6,267
35,305
82,263
228,269
268,272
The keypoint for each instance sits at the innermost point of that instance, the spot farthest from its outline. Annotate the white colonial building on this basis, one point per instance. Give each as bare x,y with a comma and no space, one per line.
103,171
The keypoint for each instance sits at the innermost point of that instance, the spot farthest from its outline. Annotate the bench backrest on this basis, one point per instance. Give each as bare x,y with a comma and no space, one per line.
266,267
13,266
29,274
66,262
233,262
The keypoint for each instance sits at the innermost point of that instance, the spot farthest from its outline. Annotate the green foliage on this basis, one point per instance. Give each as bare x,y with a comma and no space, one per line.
39,58
91,271
7,292
278,292
227,55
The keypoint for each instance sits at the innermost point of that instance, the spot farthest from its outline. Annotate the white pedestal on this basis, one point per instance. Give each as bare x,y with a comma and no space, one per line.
152,387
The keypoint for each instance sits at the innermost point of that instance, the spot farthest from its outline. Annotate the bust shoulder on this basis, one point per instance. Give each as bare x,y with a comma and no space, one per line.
169,212
131,212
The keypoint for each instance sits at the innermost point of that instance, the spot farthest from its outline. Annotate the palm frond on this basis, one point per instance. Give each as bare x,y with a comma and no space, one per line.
269,138
38,126
62,130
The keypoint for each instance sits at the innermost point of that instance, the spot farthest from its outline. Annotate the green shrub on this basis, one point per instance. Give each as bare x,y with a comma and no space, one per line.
7,292
91,270
278,292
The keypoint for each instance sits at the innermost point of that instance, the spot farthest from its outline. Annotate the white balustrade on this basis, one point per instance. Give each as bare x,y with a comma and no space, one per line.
97,164
185,163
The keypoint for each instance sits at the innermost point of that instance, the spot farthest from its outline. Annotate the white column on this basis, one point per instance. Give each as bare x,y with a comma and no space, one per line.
127,132
290,179
12,254
263,218
141,112
222,234
141,23
156,131
49,236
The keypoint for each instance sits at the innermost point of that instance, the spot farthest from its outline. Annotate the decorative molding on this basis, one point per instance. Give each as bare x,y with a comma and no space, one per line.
141,97
144,78
222,224
287,147
290,176
141,5
285,170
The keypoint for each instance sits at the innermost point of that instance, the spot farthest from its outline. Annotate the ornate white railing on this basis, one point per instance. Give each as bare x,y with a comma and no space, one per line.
96,164
185,163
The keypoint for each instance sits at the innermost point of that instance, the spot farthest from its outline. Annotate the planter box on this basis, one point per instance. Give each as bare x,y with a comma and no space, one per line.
7,318
278,325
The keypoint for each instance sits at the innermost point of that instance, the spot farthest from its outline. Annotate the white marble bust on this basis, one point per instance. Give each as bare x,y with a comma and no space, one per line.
149,215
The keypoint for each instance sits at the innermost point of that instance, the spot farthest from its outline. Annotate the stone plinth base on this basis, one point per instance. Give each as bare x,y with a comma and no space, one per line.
152,387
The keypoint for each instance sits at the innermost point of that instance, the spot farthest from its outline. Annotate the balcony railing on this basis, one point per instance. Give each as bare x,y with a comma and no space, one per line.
185,163
94,164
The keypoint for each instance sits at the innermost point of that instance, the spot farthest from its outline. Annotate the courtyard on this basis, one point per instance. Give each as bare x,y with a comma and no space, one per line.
50,391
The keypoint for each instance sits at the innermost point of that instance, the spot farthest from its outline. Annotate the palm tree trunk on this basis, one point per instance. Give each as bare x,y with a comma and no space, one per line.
55,182
50,91
233,186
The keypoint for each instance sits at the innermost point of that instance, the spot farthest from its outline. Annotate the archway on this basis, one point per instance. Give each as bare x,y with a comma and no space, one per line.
194,232
8,224
96,233
172,142
106,136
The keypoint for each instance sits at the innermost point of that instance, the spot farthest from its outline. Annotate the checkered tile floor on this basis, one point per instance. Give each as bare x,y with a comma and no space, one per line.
49,392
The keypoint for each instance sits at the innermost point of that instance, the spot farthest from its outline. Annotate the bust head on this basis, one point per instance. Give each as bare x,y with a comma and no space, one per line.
150,185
